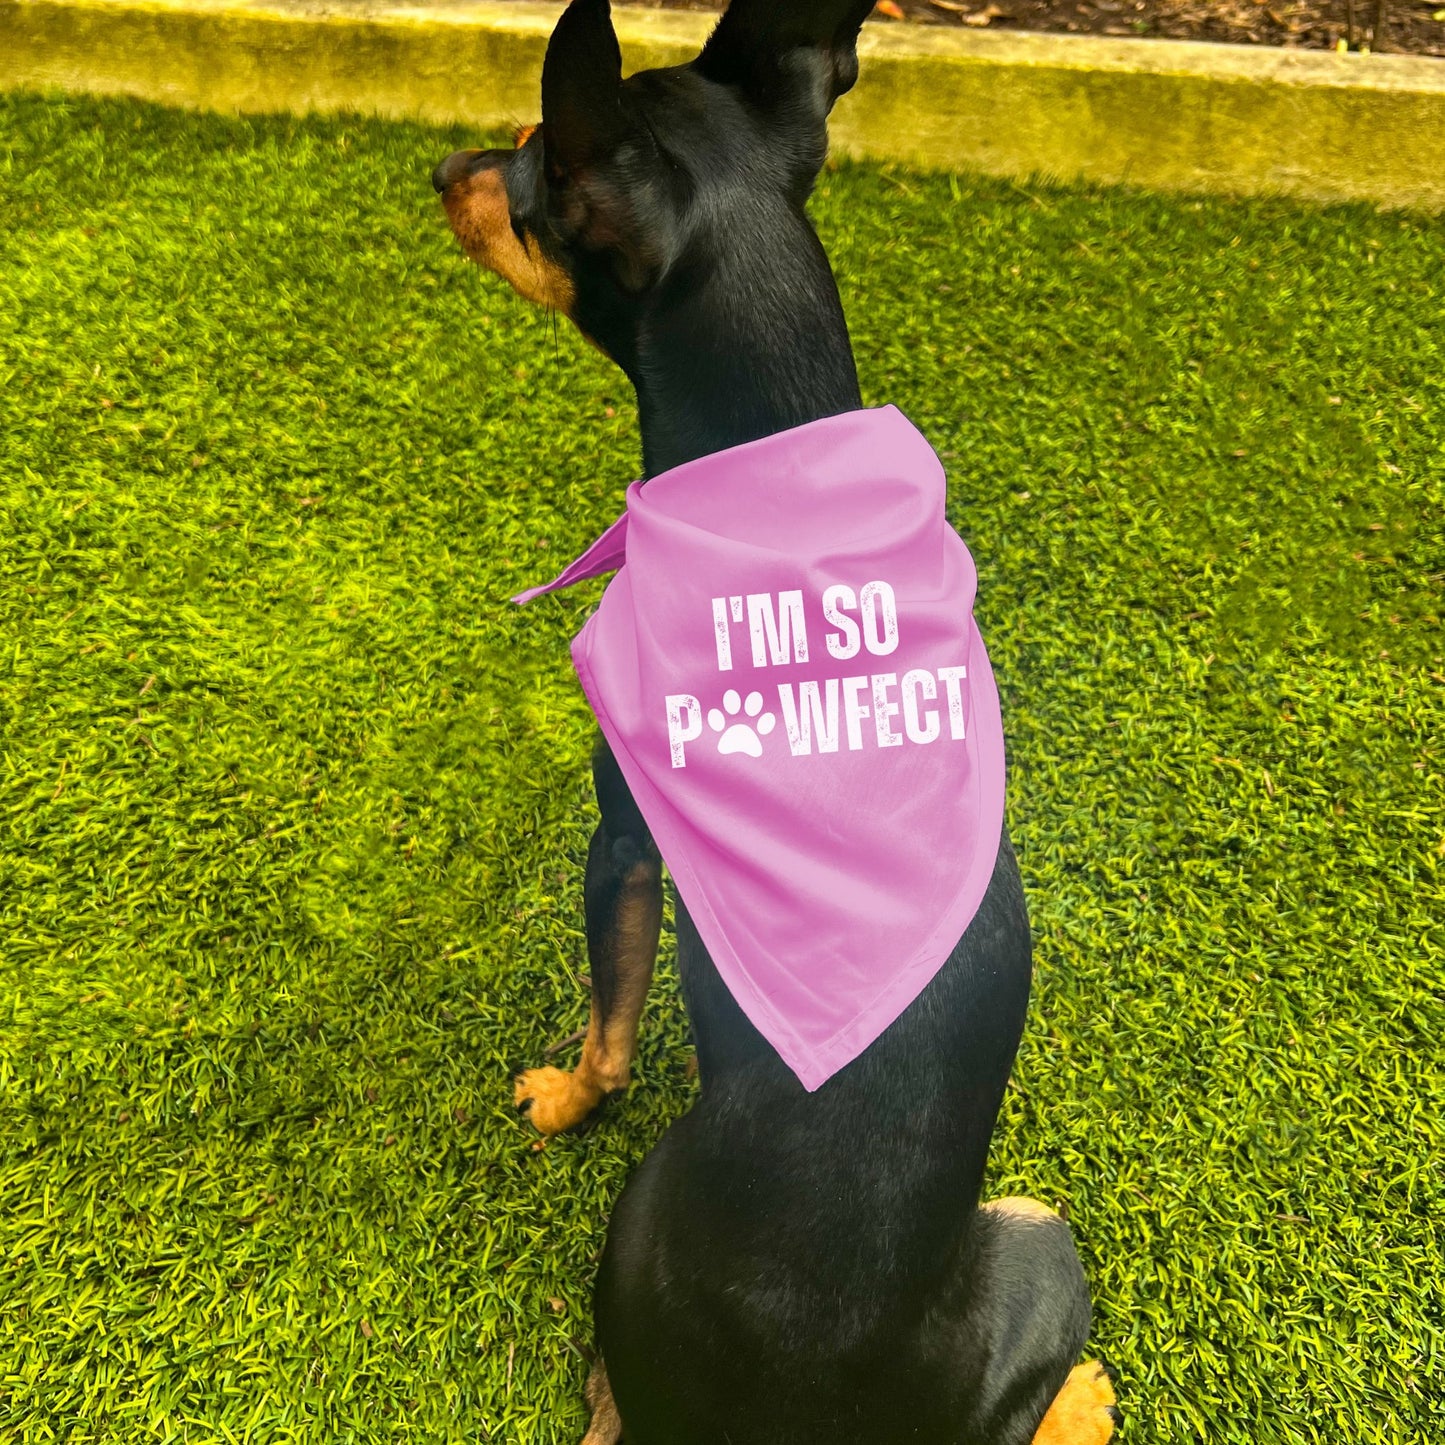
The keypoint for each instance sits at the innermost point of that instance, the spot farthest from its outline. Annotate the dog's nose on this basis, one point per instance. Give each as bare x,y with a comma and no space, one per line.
456,166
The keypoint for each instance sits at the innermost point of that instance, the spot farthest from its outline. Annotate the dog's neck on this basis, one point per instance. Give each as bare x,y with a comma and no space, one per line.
756,349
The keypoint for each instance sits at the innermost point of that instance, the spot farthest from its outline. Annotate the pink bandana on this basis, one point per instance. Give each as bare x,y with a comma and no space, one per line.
788,671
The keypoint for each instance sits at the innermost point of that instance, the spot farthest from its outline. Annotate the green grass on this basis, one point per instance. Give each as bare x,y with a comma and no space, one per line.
293,803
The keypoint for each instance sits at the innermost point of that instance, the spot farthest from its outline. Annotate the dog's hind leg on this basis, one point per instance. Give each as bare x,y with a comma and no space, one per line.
606,1426
1009,1331
622,897
1034,1294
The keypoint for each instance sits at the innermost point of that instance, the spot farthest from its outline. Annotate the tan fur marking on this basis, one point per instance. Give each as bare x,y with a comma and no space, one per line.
482,221
1080,1412
1020,1206
559,1100
562,1100
606,1426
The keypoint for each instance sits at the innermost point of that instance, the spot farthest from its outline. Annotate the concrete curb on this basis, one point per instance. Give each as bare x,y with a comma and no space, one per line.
1163,114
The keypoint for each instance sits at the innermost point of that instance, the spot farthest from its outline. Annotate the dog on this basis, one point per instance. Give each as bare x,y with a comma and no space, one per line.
786,1267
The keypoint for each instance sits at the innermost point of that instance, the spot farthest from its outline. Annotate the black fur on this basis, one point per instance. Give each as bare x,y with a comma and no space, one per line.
784,1268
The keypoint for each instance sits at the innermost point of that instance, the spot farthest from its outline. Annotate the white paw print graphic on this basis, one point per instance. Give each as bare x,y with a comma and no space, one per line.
741,737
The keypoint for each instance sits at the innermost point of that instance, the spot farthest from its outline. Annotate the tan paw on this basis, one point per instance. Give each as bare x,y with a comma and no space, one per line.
554,1099
606,1426
1084,1412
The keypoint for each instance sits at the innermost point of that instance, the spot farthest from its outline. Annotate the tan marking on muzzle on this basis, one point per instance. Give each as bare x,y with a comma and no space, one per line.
481,220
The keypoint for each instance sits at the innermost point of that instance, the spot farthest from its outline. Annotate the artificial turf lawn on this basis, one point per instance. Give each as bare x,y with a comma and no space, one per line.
294,803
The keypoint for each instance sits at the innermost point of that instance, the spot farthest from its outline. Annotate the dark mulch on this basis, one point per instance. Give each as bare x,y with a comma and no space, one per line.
1404,26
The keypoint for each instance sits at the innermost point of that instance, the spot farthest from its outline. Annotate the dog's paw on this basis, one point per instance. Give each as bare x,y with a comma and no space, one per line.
555,1100
1084,1412
606,1426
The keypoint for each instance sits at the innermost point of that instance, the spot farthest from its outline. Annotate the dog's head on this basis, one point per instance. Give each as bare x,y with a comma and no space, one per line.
694,172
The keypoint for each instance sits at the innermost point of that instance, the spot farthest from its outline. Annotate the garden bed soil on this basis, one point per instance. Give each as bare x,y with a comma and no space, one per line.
1415,27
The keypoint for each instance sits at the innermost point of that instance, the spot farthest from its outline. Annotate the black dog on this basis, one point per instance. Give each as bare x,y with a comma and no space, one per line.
786,1268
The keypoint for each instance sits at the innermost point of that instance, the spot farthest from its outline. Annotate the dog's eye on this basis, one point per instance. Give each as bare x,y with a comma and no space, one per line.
522,135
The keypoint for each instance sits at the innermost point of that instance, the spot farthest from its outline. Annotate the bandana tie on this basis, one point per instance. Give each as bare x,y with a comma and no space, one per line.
789,674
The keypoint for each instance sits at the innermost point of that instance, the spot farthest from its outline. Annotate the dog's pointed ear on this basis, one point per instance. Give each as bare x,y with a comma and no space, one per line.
756,40
582,121
587,125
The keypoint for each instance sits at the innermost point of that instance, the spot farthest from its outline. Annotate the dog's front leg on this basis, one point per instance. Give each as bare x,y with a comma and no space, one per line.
622,897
